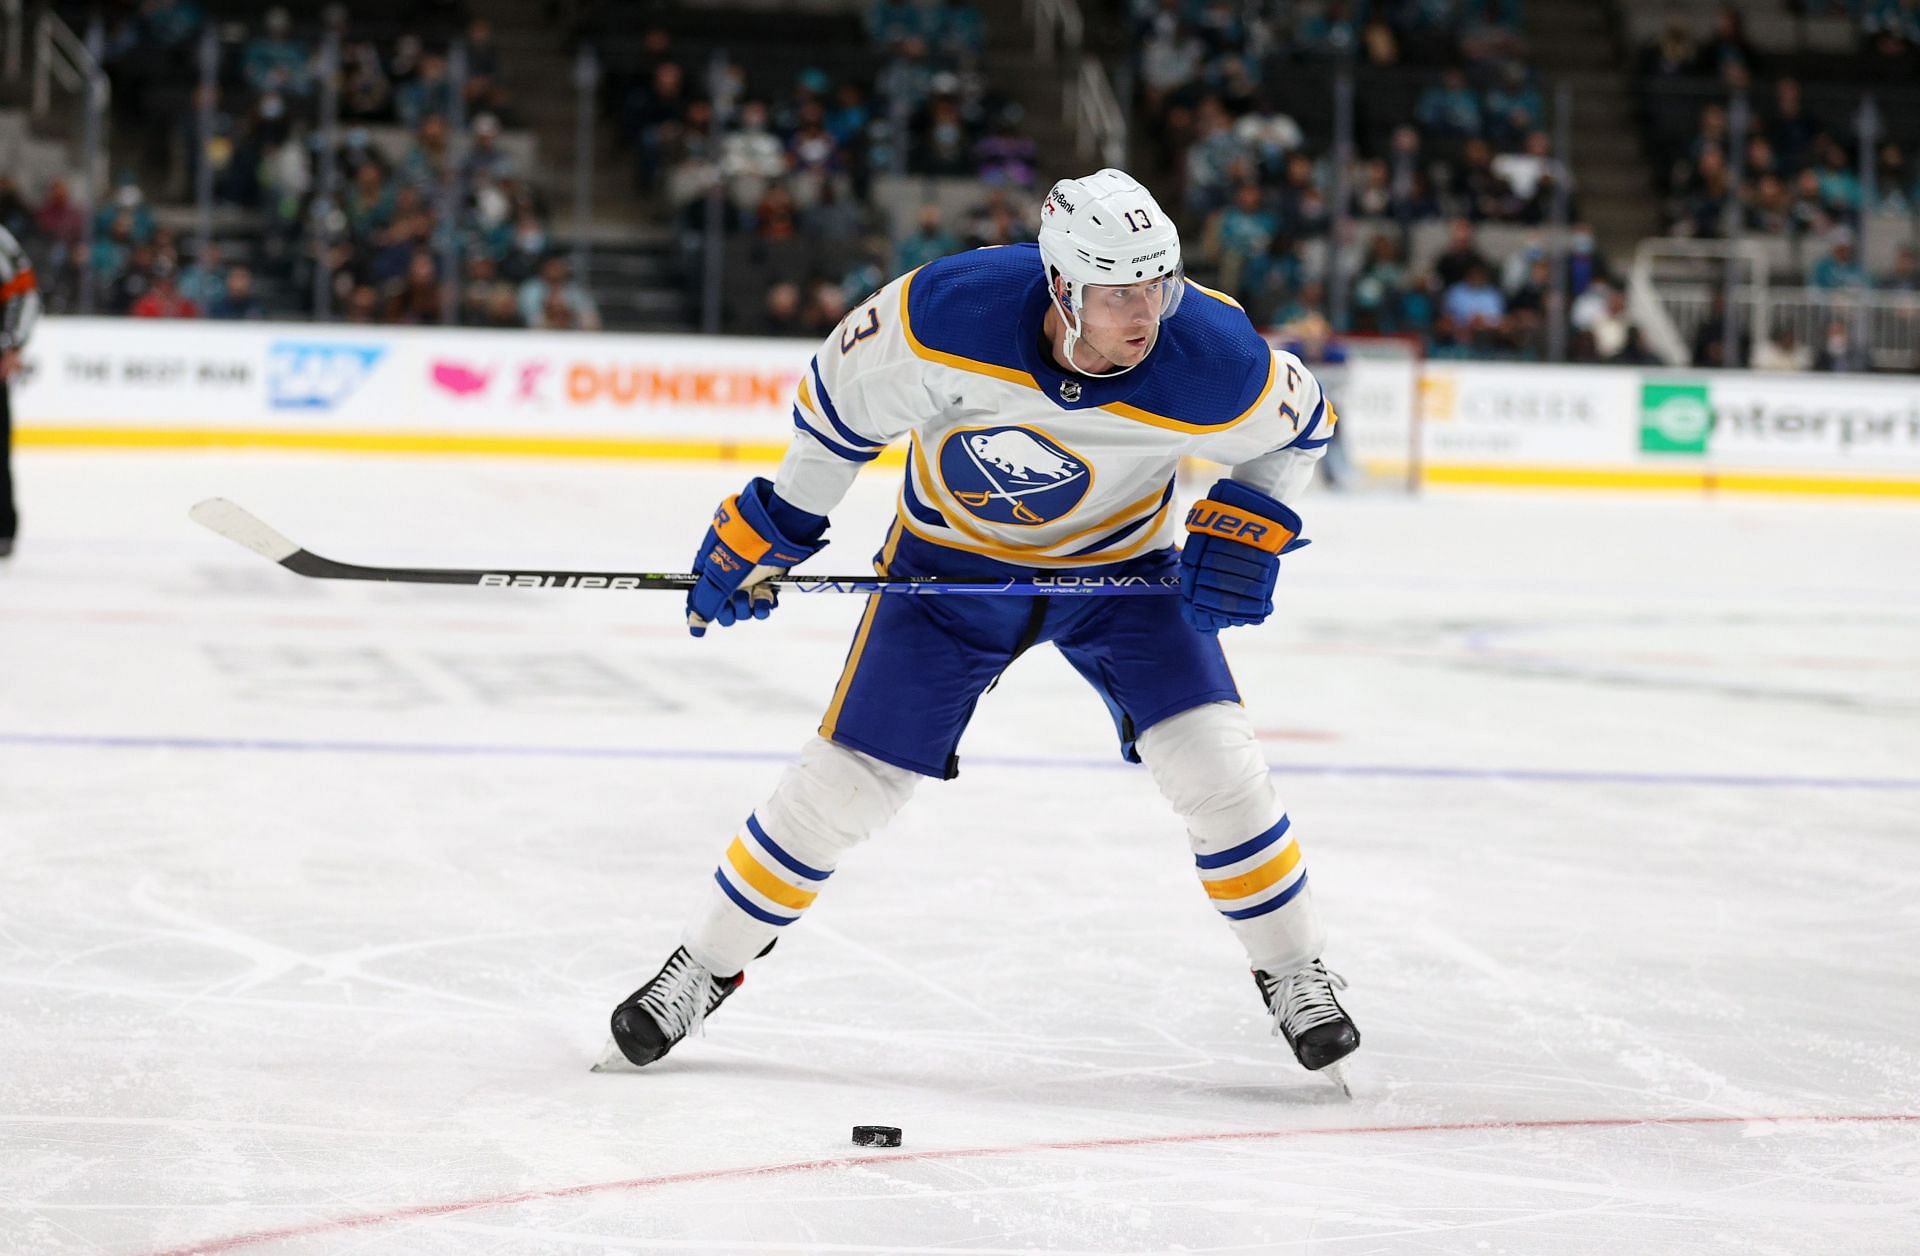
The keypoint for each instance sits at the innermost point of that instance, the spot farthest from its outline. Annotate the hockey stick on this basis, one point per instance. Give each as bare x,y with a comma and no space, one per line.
242,527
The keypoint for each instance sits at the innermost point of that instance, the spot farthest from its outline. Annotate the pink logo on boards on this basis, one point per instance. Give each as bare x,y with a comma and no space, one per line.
459,379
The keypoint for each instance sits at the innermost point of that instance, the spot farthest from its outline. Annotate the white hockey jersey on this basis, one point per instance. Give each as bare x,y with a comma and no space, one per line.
1014,460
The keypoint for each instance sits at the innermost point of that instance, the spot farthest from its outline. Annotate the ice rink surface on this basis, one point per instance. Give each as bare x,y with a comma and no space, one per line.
315,896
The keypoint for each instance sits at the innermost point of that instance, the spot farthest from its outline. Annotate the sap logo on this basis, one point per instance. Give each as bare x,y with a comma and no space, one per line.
317,375
1013,475
460,379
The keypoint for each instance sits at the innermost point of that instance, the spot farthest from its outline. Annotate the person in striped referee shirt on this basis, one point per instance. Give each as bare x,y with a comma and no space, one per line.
19,310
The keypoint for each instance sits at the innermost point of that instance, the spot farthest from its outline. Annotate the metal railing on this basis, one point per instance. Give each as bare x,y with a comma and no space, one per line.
1058,28
59,54
1882,329
1088,103
12,30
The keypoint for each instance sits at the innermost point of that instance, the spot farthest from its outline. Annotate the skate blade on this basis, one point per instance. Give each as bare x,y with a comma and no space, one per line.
1337,1074
611,1061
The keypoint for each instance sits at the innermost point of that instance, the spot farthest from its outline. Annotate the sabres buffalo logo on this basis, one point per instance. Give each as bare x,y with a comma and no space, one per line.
1013,475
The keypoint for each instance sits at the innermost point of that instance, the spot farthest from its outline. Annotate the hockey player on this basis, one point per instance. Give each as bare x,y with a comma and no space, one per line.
1047,395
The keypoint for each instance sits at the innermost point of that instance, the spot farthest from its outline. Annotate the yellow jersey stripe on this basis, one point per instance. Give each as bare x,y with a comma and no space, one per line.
1007,373
755,874
832,718
1259,879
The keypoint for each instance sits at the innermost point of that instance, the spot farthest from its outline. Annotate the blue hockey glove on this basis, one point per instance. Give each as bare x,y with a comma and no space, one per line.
1232,556
751,538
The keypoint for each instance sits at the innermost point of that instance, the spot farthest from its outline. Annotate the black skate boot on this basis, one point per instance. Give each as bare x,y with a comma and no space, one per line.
1311,1019
659,1014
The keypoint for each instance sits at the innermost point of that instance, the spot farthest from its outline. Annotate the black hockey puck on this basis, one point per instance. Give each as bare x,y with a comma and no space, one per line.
876,1136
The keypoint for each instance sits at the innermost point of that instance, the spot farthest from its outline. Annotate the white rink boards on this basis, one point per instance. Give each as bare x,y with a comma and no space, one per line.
316,896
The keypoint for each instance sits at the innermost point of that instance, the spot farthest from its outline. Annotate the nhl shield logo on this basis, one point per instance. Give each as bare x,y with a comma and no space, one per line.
1013,475
1069,390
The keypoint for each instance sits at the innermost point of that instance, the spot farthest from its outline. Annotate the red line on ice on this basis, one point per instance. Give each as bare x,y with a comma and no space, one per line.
418,1211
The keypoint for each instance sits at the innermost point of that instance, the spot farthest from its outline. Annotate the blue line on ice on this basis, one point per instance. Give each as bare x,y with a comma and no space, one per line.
1565,776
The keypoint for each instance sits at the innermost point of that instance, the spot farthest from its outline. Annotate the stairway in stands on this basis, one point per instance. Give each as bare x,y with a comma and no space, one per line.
633,266
1572,41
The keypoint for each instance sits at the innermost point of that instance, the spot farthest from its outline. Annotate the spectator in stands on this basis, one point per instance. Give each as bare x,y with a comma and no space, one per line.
1705,206
1487,196
1378,42
1838,268
424,167
942,145
1836,348
275,60
652,119
1782,353
1007,155
776,217
751,156
906,80
427,95
236,300
1515,109
203,282
417,296
1170,56
930,240
1528,301
1905,275
59,219
170,24
162,298
363,305
996,223
1892,181
529,246
1380,287
1675,55
1238,240
365,91
1839,185
780,315
1474,306
1328,33
1211,157
485,159
1613,330
1449,109
826,306
480,287
1791,129
1770,209
1460,256
131,281
556,279
1710,338
1726,49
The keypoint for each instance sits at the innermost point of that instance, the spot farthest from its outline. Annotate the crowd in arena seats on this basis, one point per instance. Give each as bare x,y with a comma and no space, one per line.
790,157
1796,175
1223,87
384,243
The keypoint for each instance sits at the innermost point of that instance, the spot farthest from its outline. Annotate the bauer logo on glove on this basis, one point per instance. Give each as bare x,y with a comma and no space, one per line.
1231,560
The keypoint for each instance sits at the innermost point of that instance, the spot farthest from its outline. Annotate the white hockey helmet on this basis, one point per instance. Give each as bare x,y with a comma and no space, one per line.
1106,229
